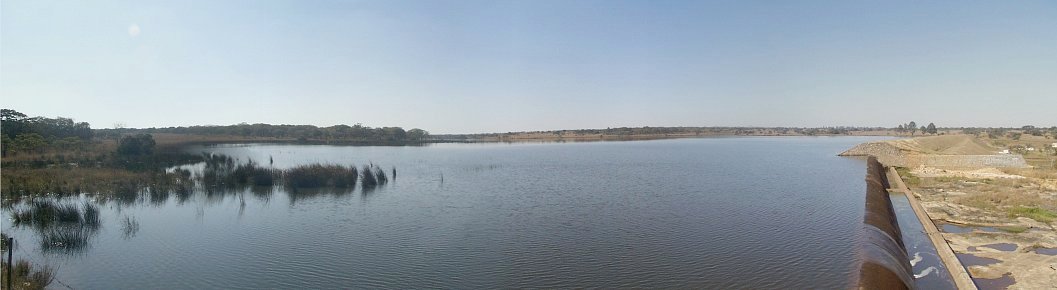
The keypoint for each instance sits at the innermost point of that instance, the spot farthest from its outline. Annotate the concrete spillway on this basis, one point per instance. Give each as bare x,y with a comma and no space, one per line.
884,260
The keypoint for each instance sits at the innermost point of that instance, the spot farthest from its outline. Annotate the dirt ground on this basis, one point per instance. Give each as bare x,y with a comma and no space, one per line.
1000,222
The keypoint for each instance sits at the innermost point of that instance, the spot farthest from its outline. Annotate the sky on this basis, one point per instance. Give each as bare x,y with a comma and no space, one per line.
501,66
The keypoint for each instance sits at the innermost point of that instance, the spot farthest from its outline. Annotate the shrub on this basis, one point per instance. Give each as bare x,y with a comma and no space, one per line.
140,144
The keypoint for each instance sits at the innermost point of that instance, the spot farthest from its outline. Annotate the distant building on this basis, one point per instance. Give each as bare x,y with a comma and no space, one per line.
1054,145
1031,148
1004,151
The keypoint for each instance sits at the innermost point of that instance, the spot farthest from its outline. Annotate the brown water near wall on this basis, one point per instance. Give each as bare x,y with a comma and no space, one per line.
884,264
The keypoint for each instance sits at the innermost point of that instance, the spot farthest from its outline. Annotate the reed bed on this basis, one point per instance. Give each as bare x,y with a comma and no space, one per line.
222,171
25,276
62,227
44,213
319,175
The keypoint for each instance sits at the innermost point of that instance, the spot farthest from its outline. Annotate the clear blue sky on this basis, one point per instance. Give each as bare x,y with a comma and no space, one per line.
498,66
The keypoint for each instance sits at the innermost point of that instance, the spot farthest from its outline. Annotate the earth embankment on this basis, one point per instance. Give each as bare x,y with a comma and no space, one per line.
948,151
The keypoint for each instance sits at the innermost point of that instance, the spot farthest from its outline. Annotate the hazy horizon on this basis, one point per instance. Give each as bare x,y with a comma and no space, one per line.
480,67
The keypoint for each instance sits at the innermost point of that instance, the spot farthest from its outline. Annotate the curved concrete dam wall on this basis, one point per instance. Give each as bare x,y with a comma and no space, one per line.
884,260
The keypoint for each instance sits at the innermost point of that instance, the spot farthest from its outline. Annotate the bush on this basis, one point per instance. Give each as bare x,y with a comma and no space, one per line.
140,144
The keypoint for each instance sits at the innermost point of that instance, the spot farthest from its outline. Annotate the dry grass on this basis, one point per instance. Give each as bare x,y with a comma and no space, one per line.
1000,197
63,181
91,153
1032,172
26,276
168,140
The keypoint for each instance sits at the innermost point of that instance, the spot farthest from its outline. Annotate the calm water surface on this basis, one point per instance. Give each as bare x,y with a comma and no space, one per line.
704,213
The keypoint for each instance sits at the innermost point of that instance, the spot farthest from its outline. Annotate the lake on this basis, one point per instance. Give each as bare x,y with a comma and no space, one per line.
746,212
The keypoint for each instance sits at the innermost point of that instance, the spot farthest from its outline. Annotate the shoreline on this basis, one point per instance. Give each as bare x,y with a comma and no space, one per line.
173,140
990,222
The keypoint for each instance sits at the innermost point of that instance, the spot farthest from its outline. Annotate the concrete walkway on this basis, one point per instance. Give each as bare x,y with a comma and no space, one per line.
958,274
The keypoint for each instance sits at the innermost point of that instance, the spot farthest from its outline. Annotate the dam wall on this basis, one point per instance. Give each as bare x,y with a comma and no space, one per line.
884,259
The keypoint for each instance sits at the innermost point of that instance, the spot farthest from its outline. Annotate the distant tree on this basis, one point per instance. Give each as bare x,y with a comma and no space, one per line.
1032,130
12,123
912,126
140,144
931,129
5,145
900,129
11,115
417,134
30,142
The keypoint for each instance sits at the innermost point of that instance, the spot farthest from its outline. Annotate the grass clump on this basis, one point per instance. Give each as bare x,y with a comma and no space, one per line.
370,180
1013,229
45,213
374,176
250,173
62,227
910,179
25,276
319,175
1035,213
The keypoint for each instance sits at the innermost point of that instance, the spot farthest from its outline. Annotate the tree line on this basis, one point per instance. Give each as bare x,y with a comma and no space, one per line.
300,132
912,128
1014,133
21,133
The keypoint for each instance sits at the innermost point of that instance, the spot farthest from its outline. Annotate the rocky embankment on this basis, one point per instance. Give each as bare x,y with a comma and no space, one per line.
957,151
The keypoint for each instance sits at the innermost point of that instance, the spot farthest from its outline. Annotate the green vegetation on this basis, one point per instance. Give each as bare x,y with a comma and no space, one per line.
1035,213
1013,229
910,179
45,213
250,173
318,175
222,172
22,134
139,144
58,156
912,128
931,128
62,227
306,133
374,176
